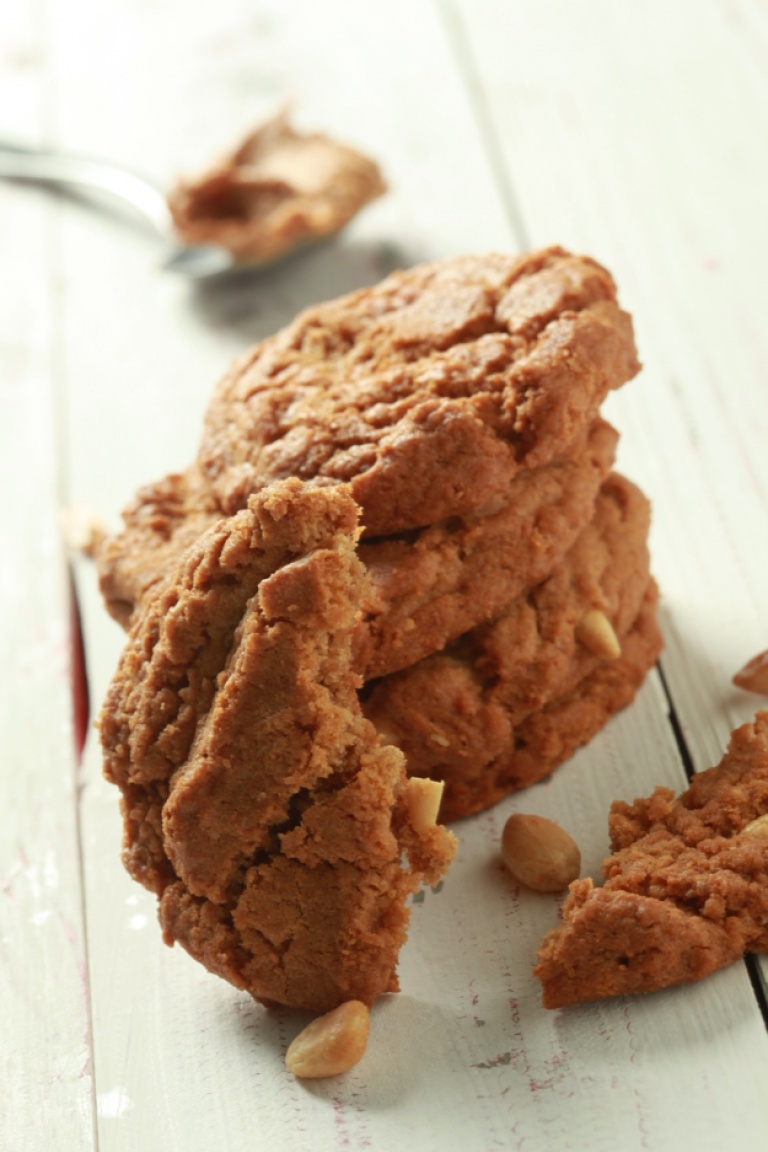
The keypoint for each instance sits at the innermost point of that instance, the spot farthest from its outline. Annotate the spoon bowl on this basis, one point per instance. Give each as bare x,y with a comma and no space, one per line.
54,168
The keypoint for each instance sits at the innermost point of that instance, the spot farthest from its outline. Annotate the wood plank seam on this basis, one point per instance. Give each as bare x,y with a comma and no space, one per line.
686,758
466,67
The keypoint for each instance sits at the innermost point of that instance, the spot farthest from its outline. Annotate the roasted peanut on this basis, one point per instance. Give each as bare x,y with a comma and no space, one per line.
331,1044
539,853
595,632
423,799
756,827
754,675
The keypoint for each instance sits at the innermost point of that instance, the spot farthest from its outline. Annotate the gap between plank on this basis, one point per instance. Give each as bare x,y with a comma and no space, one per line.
81,704
81,713
677,729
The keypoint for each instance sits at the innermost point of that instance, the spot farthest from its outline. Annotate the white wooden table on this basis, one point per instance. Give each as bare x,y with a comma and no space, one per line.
635,132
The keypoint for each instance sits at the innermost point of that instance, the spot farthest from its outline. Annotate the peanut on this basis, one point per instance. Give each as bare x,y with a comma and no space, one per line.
330,1044
423,799
595,632
756,827
539,853
754,675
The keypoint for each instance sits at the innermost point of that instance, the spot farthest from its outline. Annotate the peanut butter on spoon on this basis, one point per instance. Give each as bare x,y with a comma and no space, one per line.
278,190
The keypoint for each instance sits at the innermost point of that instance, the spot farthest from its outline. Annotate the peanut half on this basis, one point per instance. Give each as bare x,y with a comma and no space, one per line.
539,853
756,827
330,1044
595,632
423,799
754,675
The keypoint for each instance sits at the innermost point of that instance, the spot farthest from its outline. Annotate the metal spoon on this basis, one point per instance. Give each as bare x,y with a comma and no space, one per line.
62,169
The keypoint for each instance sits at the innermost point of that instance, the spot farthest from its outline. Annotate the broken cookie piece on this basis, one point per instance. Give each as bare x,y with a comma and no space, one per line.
753,677
259,804
685,892
278,190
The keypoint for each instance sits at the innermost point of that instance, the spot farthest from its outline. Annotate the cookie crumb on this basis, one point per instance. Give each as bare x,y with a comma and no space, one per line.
685,890
753,677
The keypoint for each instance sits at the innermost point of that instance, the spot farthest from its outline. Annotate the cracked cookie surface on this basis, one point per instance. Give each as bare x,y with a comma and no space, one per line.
426,587
427,393
259,804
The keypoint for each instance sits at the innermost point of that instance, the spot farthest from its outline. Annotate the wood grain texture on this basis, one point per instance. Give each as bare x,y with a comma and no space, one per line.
633,132
45,1060
647,150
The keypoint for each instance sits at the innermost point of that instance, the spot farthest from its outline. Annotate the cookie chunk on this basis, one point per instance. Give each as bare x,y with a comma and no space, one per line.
685,892
259,804
509,700
428,393
279,190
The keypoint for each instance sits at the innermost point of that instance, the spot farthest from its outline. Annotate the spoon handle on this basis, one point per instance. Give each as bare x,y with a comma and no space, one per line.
48,166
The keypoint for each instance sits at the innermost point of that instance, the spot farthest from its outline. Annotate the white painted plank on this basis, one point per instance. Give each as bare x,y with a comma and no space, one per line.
464,1056
44,1040
638,132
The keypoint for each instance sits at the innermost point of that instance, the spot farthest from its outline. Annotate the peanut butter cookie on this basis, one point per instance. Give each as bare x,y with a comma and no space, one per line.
426,587
428,393
259,804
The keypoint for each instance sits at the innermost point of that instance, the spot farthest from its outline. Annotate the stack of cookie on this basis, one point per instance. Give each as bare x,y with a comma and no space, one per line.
509,610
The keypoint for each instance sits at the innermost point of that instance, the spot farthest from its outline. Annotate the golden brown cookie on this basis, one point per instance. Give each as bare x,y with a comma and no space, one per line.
476,714
432,585
685,891
259,804
280,189
160,523
550,736
428,393
427,586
